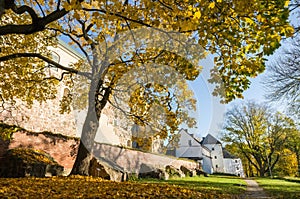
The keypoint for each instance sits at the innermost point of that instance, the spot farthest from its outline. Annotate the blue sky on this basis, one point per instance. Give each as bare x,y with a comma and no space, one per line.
209,111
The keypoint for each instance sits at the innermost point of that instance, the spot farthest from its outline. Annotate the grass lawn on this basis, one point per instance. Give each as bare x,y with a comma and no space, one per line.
88,187
219,185
280,188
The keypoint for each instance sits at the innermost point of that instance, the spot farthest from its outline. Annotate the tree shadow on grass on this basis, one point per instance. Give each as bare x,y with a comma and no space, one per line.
280,188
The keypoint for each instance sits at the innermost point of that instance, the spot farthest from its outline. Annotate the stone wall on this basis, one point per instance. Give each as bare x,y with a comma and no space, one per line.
131,160
41,117
63,149
44,116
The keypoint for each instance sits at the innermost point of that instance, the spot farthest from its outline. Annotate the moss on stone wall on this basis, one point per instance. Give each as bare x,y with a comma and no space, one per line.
6,131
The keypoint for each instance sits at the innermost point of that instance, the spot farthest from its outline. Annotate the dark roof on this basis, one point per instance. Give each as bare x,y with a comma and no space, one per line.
209,139
226,154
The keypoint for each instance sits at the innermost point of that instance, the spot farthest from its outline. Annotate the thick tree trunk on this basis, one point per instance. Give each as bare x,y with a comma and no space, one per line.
85,149
82,162
262,171
89,131
90,127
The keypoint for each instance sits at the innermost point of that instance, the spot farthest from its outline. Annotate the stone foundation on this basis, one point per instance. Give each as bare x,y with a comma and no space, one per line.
63,149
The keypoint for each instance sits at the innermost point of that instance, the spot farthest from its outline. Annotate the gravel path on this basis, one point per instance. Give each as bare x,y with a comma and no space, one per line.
254,191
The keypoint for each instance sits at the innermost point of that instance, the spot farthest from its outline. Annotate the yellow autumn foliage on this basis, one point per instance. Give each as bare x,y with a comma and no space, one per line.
89,187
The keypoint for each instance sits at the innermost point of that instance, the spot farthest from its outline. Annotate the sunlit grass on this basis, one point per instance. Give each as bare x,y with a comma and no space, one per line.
280,188
212,184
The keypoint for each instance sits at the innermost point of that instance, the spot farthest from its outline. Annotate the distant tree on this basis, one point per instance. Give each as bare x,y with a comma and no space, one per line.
258,133
283,81
293,144
287,164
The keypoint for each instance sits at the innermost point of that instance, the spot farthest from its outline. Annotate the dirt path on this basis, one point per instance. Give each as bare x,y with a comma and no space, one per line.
254,191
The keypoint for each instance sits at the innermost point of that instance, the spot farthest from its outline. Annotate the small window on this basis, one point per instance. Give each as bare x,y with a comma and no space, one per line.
236,161
134,144
190,142
213,149
216,166
215,157
237,168
129,143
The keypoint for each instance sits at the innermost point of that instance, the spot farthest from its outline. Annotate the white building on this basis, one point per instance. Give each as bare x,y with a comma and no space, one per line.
216,153
232,164
189,146
206,162
209,152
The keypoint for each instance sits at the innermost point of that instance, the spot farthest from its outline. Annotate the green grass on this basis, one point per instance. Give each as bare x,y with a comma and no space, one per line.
227,185
292,179
280,188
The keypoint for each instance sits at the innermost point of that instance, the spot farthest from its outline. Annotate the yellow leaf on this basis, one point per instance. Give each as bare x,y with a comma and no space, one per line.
212,5
197,15
286,4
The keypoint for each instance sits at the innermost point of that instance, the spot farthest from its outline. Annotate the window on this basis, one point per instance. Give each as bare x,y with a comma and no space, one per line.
236,161
216,166
129,143
215,157
213,149
237,168
190,142
135,145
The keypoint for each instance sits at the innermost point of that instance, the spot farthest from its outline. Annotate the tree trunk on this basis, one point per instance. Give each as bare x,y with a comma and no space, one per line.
85,149
91,125
262,171
89,131
82,162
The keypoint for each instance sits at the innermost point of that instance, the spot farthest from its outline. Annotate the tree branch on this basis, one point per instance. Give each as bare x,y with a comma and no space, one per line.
46,59
38,23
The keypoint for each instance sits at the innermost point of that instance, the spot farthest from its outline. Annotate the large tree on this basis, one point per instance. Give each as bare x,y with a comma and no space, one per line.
239,32
259,133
